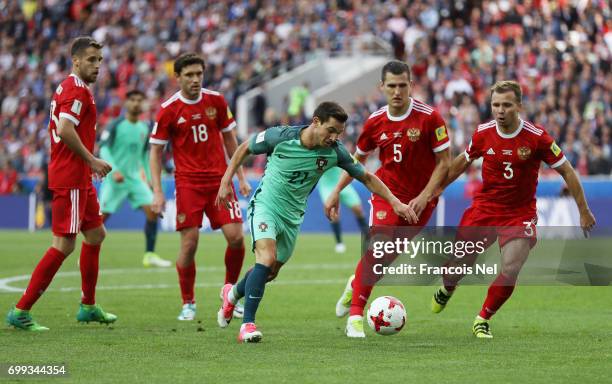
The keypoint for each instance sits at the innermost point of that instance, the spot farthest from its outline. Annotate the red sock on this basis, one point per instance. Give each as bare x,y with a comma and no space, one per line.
187,282
499,291
233,264
41,278
89,261
361,289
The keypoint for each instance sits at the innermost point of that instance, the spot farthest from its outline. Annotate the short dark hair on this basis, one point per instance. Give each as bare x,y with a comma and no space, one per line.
81,43
187,59
328,109
134,92
396,67
504,86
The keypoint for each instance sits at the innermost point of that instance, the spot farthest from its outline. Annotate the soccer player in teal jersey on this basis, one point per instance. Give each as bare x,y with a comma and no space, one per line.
348,197
125,147
297,157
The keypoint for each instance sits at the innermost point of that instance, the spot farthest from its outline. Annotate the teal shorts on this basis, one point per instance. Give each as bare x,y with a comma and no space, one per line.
265,224
349,196
135,190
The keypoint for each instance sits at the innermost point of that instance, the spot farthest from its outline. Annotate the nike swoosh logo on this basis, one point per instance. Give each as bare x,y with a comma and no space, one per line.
282,156
251,297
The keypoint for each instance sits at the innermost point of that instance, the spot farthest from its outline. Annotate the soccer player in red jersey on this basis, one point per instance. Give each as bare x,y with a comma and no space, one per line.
200,127
414,155
512,150
75,207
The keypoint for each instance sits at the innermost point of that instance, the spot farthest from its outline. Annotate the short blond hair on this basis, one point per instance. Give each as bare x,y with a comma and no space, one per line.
508,86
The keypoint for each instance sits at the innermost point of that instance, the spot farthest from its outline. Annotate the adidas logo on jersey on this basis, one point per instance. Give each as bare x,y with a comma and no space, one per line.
490,151
181,120
383,136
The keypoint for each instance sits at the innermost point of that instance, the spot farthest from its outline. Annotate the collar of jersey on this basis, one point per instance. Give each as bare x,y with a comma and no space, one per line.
189,101
402,117
511,135
74,75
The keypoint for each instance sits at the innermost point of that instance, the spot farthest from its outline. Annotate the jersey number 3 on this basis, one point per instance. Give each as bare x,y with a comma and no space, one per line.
508,171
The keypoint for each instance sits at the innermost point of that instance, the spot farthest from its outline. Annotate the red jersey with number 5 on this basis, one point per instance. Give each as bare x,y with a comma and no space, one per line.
193,128
511,164
74,101
408,145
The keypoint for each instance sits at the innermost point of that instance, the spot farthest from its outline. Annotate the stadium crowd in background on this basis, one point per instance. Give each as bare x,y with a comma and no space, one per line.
560,52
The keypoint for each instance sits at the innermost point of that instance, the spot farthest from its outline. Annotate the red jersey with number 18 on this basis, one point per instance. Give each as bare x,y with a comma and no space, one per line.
193,128
510,166
74,101
408,145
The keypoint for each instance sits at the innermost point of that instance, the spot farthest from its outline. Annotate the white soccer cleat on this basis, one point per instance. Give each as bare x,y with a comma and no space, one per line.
187,313
151,259
344,302
340,248
354,327
226,312
249,333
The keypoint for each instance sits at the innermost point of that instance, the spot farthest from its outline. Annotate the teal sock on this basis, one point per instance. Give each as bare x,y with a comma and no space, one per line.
255,287
240,286
337,231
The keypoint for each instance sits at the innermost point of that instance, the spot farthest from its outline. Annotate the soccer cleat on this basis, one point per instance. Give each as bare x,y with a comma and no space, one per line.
239,309
151,259
481,328
188,312
344,302
88,313
226,312
340,248
439,300
354,327
249,333
23,320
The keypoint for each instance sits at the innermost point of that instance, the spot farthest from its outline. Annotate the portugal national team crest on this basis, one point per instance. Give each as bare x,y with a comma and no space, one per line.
321,163
263,226
524,153
211,112
414,134
181,218
381,215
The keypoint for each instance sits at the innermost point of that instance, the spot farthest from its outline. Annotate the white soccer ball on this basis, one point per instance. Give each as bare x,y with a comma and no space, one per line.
386,315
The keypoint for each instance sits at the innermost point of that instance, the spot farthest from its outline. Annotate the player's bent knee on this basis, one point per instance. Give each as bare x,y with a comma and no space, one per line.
95,236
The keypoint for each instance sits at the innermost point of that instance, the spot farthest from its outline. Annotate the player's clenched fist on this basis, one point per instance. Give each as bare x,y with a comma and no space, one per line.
100,167
332,206
157,206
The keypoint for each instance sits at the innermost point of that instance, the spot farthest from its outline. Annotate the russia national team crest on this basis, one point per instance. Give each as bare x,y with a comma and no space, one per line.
414,134
211,112
181,218
381,215
321,163
524,153
263,226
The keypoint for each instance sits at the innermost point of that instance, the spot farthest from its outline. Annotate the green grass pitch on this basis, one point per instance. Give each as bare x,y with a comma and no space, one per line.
557,334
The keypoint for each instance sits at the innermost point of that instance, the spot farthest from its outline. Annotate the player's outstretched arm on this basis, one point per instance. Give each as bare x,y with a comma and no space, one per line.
67,132
231,144
331,206
456,169
436,182
155,162
376,186
587,220
225,195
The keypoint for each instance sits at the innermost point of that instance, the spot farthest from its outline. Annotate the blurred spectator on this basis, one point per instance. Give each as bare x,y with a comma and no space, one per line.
297,98
8,179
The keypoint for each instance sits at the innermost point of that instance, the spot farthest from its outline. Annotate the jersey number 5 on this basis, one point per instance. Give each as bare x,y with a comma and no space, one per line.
55,120
199,133
397,153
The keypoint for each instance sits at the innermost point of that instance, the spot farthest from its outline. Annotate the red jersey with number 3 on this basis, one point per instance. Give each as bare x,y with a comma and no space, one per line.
408,145
193,128
510,166
74,101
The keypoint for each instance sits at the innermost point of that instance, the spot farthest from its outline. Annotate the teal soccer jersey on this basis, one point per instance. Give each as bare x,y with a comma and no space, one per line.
327,184
124,146
293,170
277,208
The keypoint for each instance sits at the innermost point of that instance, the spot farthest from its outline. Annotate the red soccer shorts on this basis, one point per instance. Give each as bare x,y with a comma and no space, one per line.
74,210
503,226
193,202
382,214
